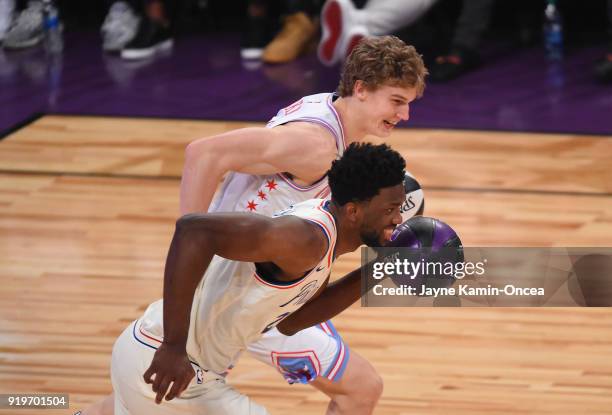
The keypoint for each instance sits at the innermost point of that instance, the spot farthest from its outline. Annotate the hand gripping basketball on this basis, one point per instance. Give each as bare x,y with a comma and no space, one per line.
170,365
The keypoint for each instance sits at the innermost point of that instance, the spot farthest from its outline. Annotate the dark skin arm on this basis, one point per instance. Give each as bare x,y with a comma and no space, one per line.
337,297
293,244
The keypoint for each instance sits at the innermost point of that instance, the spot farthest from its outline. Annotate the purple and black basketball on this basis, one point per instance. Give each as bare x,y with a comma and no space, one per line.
432,241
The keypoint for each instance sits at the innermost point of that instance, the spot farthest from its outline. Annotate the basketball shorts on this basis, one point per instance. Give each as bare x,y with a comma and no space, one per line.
208,393
301,358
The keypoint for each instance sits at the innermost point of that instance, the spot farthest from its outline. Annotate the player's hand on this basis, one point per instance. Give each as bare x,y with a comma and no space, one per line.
170,365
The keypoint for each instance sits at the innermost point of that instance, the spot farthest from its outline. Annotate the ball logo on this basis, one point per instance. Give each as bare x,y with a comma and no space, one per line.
407,205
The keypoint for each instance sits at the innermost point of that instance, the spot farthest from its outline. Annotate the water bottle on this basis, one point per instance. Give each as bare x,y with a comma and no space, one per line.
53,31
553,31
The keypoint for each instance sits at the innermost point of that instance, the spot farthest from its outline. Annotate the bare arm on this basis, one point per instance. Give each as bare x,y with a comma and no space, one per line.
305,150
337,297
293,244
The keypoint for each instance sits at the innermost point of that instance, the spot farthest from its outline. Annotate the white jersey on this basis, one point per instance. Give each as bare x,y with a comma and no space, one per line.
266,194
234,305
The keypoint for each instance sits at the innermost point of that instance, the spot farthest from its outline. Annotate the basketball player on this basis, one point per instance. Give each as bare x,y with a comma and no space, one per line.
267,169
257,271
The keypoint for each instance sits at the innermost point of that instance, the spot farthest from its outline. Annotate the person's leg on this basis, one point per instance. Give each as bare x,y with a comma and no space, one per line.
120,24
603,69
318,356
383,17
153,35
297,34
463,56
344,25
357,393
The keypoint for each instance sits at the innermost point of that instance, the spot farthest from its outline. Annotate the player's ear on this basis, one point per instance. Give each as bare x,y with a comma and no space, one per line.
359,90
353,212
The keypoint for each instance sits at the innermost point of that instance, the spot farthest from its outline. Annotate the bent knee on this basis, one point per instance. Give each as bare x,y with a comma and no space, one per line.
370,388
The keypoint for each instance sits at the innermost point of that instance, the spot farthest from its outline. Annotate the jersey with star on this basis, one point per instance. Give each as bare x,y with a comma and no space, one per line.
267,194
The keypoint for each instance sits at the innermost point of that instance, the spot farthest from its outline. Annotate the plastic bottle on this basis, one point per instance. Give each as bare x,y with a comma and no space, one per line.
553,31
53,31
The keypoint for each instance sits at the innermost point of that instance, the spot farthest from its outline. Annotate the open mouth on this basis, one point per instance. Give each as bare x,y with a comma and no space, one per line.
388,124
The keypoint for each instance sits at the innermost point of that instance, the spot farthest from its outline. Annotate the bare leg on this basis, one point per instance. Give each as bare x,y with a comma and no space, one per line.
358,391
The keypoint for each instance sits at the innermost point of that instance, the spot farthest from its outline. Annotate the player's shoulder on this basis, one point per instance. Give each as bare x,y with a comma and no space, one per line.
301,232
312,137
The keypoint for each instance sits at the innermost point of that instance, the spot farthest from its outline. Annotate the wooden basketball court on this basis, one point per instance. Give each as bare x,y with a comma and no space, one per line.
87,209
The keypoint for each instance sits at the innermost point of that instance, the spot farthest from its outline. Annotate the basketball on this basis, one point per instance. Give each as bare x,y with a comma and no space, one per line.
415,199
435,241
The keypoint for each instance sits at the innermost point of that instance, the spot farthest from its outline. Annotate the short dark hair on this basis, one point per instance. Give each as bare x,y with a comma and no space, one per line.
363,170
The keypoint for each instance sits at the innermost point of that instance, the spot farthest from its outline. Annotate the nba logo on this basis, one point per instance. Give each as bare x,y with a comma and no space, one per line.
199,379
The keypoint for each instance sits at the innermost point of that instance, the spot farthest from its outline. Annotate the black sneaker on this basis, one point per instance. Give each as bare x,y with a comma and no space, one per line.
453,65
150,39
255,37
603,69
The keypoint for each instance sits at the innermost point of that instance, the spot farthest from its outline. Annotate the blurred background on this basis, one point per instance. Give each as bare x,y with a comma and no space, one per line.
525,65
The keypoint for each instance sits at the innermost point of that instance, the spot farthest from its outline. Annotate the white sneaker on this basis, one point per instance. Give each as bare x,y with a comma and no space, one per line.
28,29
341,31
119,27
7,8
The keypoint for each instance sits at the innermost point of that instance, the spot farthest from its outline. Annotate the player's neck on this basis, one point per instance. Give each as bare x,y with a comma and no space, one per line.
350,119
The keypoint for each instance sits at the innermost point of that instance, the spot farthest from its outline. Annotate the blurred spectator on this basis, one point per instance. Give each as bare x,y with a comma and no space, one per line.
297,34
137,30
7,7
603,69
463,56
344,25
255,36
27,29
119,27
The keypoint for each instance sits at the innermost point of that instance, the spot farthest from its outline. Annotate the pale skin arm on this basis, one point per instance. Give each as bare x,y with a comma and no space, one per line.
305,150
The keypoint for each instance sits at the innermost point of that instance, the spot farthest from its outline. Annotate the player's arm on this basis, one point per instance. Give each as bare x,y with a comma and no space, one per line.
337,297
293,244
305,150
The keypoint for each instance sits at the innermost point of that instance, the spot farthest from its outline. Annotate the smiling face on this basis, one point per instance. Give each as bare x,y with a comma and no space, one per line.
383,107
381,215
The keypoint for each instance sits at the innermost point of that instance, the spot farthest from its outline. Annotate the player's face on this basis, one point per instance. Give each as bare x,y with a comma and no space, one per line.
382,215
385,106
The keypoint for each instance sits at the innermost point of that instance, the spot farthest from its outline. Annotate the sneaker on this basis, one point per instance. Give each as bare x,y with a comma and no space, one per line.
453,65
255,38
293,39
7,8
151,38
603,69
28,29
119,27
341,31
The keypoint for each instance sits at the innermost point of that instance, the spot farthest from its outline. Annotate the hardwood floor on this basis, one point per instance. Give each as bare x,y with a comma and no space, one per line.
87,208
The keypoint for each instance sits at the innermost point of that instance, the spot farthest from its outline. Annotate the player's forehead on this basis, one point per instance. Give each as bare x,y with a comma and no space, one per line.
390,196
406,93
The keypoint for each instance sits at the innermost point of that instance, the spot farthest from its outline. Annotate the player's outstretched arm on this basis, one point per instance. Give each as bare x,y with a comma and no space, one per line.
305,150
337,297
293,244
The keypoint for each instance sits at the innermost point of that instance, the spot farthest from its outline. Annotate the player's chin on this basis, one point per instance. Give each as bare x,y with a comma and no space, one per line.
384,131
